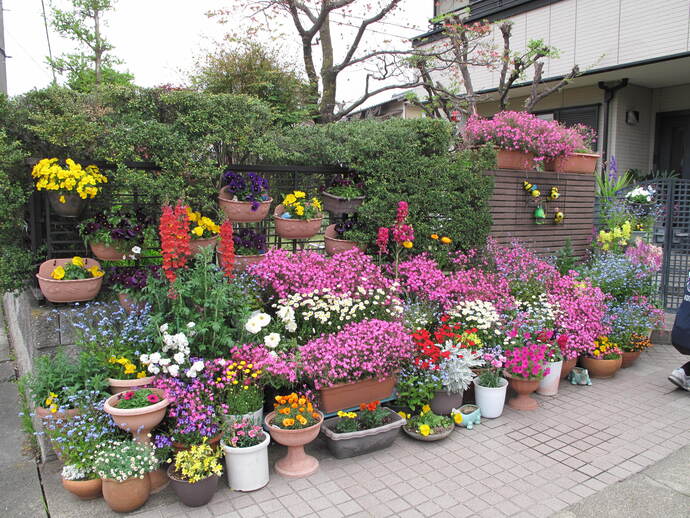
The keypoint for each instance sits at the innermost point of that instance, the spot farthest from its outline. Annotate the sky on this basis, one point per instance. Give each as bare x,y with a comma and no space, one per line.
159,40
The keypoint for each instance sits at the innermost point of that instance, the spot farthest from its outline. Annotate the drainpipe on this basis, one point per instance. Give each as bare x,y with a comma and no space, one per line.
609,92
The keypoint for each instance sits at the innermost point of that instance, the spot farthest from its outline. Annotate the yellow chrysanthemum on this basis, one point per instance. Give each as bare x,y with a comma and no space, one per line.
77,261
58,273
424,429
299,194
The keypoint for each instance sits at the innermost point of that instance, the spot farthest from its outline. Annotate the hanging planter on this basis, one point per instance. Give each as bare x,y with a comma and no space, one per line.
289,228
335,245
339,206
514,160
106,252
67,205
56,288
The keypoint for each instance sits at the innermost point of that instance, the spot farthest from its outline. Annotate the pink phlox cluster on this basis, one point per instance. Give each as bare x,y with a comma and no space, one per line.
527,361
646,255
277,364
515,262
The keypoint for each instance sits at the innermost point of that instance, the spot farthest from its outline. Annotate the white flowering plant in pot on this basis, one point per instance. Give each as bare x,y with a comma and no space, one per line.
174,357
124,460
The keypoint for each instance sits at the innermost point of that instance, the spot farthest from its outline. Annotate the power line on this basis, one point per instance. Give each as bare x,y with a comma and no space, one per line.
50,51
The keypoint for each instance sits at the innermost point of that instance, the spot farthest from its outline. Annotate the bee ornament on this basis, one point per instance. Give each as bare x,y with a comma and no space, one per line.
558,216
554,194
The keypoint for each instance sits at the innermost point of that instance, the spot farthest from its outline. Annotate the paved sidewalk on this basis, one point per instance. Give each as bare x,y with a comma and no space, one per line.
525,464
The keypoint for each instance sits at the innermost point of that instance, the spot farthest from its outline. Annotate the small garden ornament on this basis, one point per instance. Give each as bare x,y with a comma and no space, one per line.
579,376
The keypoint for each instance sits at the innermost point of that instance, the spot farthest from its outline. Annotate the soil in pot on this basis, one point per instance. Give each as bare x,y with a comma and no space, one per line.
196,494
84,489
125,497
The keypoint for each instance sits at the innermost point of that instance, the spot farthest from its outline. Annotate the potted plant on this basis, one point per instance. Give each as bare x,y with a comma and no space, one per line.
244,198
204,231
298,217
126,375
643,208
70,280
250,247
525,366
633,348
355,433
246,455
163,447
129,283
548,385
604,360
489,386
117,233
335,237
343,196
239,391
571,150
429,427
513,134
359,362
294,423
138,412
455,370
124,467
81,483
416,387
68,187
194,474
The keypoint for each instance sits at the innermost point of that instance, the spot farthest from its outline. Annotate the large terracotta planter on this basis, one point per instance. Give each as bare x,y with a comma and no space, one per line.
80,290
516,160
72,208
583,163
119,385
159,480
296,464
44,413
129,304
242,261
548,385
197,245
444,402
247,468
106,253
335,245
338,206
522,389
350,395
138,421
601,368
125,497
352,444
196,494
567,367
295,228
629,358
84,489
241,211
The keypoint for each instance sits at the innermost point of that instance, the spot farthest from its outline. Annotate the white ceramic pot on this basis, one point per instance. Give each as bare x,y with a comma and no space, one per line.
247,468
256,417
548,386
491,400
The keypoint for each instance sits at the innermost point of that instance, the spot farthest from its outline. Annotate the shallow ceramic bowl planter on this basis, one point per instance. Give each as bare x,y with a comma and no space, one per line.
138,421
338,206
79,290
84,489
548,385
296,464
438,435
567,367
522,389
193,494
72,208
629,358
120,385
197,245
243,261
335,245
129,304
583,163
471,415
352,444
444,402
125,497
516,160
106,253
295,228
491,400
241,211
601,369
247,468
350,395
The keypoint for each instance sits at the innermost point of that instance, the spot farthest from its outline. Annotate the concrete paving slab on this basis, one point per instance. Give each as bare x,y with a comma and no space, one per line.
673,472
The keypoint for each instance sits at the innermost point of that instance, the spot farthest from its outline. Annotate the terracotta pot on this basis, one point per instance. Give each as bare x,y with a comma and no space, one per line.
516,160
72,208
84,489
295,228
335,245
241,211
193,494
338,206
138,421
583,163
106,253
629,358
567,367
44,413
296,464
242,261
214,442
443,402
125,497
118,385
522,389
350,395
159,480
601,368
197,245
80,290
129,304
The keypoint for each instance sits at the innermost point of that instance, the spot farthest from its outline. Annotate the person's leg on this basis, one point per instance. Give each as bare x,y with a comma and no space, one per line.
681,377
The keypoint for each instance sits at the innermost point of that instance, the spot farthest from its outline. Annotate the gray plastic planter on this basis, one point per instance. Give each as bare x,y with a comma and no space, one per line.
344,445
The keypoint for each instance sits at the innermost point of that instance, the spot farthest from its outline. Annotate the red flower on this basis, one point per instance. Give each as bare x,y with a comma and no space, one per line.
174,234
153,398
127,395
226,249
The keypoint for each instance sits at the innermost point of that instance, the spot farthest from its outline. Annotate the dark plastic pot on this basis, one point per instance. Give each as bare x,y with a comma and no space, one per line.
72,207
193,495
444,402
344,445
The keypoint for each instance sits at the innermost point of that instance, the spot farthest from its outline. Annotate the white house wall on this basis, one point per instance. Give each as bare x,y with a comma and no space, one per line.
631,144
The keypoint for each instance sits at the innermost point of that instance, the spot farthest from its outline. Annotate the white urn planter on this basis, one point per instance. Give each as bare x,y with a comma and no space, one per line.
489,399
548,386
247,468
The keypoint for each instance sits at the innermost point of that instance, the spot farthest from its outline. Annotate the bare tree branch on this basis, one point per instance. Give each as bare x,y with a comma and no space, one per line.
536,96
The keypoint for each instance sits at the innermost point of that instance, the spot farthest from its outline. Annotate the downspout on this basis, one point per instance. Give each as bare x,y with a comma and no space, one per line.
609,92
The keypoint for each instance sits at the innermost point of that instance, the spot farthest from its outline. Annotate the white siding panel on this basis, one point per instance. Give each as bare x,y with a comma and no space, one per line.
597,33
658,29
630,144
563,36
673,98
538,27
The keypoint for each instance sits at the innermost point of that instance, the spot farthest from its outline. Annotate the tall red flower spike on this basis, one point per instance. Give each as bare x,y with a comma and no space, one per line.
226,249
174,234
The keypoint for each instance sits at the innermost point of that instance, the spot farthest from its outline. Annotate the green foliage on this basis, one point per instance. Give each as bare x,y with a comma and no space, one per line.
608,185
416,388
137,399
565,258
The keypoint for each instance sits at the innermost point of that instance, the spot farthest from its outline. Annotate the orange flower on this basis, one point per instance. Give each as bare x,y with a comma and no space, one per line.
294,405
288,422
301,419
316,415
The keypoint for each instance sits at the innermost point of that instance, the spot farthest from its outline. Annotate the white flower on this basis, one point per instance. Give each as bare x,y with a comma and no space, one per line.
164,361
155,357
190,325
263,319
174,370
163,328
252,326
291,327
191,373
136,249
179,357
153,369
144,359
198,366
272,340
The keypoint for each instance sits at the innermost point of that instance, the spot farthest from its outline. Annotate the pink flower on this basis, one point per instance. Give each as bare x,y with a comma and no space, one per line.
382,240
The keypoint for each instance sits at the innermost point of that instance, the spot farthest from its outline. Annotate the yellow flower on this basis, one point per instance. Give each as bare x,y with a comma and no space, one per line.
596,352
426,409
95,271
62,199
407,244
198,231
299,194
434,236
404,415
77,261
141,374
316,203
58,273
299,210
446,240
289,199
457,417
424,429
